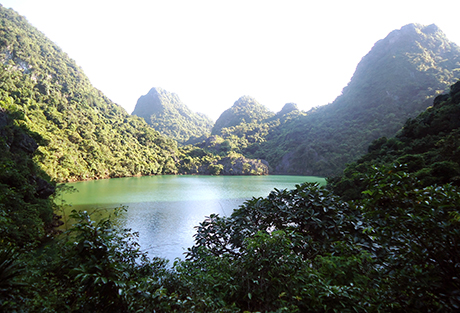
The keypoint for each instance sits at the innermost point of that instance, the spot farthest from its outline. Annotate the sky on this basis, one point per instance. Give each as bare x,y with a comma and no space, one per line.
210,53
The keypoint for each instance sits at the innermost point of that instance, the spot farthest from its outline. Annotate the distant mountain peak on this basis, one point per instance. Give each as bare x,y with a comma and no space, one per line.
245,110
165,112
406,57
411,32
288,108
246,100
156,100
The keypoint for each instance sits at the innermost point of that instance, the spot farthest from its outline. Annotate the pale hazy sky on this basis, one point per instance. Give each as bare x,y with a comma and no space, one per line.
212,52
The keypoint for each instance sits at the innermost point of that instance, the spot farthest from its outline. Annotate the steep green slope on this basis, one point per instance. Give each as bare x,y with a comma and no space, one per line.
427,146
166,113
86,135
396,80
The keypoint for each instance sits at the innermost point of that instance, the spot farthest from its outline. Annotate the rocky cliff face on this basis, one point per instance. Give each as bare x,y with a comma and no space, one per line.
165,112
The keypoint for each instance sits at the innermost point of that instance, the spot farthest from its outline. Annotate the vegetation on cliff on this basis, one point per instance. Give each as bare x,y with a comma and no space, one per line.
85,135
26,215
244,111
245,126
395,81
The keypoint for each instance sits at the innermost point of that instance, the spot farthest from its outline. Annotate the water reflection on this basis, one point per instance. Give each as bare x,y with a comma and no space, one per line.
166,209
167,228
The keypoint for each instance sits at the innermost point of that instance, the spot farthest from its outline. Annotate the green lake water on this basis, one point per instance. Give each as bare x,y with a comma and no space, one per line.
166,209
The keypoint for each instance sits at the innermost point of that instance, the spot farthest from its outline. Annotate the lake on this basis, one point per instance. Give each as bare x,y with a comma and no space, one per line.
166,209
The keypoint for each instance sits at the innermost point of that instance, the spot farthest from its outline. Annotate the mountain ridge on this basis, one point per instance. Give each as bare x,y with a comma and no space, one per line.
428,147
86,136
83,134
397,79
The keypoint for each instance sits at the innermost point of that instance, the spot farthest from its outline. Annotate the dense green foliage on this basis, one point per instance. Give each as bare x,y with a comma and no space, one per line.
199,161
166,113
427,146
93,267
306,250
303,250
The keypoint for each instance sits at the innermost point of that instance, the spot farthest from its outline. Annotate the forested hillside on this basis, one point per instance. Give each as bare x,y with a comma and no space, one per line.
246,125
244,111
428,146
395,81
166,113
84,134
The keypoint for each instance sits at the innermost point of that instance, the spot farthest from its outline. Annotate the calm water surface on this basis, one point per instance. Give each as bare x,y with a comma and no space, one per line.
166,209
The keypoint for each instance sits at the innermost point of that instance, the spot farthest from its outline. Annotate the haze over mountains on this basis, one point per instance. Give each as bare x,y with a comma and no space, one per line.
86,136
396,80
